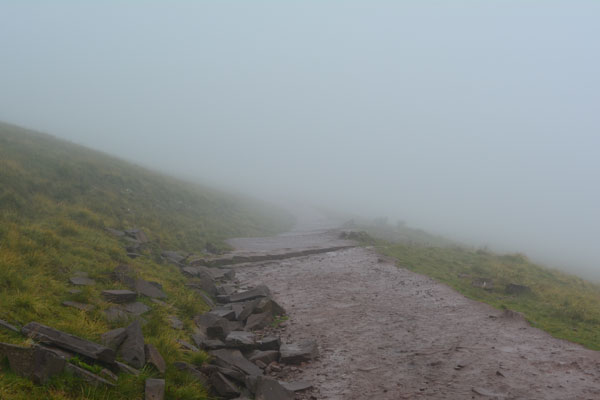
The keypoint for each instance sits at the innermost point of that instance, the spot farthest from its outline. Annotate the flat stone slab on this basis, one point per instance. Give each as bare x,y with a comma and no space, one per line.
136,308
224,386
259,291
113,338
45,334
259,321
82,281
269,343
154,389
89,377
241,340
296,353
187,346
231,358
297,386
35,363
154,358
8,326
119,296
150,289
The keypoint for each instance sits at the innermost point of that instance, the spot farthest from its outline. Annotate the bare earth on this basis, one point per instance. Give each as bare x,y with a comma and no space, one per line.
387,333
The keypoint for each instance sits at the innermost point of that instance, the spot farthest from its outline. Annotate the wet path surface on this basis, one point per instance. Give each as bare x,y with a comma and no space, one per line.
387,333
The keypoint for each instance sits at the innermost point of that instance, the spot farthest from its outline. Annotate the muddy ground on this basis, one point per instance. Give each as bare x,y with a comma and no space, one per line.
387,333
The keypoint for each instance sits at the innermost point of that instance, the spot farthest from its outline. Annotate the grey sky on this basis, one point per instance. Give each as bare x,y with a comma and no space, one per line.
476,119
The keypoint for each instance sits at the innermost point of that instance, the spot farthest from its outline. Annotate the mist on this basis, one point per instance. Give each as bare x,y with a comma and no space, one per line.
476,120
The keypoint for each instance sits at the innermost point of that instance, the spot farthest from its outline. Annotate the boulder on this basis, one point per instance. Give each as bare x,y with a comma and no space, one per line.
266,357
136,308
205,285
174,256
89,377
154,389
248,309
233,358
211,344
213,325
45,334
35,363
82,281
113,339
77,305
119,296
241,340
223,386
296,353
175,322
150,289
269,343
132,349
259,321
259,291
270,389
228,314
190,369
154,358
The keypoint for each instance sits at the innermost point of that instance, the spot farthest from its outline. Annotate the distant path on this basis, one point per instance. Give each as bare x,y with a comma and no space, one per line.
388,333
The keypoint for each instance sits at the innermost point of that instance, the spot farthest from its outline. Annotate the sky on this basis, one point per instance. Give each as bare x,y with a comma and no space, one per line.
479,120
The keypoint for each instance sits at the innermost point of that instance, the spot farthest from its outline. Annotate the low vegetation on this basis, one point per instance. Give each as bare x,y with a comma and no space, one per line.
56,201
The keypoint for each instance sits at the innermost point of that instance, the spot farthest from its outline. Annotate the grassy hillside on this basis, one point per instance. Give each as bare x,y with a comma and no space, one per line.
566,306
56,201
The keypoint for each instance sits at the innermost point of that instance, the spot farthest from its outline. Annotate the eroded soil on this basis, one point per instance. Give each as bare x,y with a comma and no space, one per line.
387,333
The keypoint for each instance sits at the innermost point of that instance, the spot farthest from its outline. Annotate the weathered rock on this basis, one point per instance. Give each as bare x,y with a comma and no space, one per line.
198,375
8,326
89,377
233,358
77,305
116,314
137,234
155,389
106,374
174,256
119,296
45,334
220,273
35,363
223,386
270,389
113,338
150,289
154,358
248,309
295,353
124,274
297,386
124,368
187,345
228,314
513,288
225,290
82,281
241,340
259,321
266,357
235,374
269,343
269,305
214,326
132,349
259,291
136,308
175,322
211,344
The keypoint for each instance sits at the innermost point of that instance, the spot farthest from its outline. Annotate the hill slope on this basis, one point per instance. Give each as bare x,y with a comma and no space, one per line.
56,202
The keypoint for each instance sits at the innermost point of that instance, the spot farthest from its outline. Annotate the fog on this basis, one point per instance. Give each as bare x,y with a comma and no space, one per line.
476,120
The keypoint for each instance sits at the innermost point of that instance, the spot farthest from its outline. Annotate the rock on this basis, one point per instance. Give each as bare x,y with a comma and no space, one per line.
89,377
113,339
248,309
119,296
35,363
44,334
266,357
154,358
8,326
106,374
297,386
224,313
235,374
223,386
174,256
211,344
233,358
124,274
241,340
270,389
209,302
124,368
269,343
132,349
137,234
513,288
175,322
79,306
155,389
187,346
150,289
198,375
225,290
295,353
116,314
82,281
269,305
259,321
203,282
214,326
483,283
136,308
259,291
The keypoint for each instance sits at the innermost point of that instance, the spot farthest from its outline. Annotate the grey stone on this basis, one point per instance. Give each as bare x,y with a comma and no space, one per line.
126,369
8,326
269,343
113,339
174,256
35,363
225,290
150,289
297,386
269,305
116,314
211,344
82,281
89,377
270,389
296,353
136,308
241,340
77,305
223,386
190,369
187,346
175,322
132,349
228,314
154,358
106,374
45,334
155,389
213,325
259,321
233,358
124,274
119,296
259,291
266,357
483,283
248,310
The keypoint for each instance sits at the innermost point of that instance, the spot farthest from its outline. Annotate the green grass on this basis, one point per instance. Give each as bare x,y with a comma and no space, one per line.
564,305
56,199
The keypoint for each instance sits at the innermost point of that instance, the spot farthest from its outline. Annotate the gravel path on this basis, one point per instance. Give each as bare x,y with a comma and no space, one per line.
387,333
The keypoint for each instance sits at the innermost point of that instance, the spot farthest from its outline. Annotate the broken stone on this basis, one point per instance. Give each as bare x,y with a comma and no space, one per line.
132,349
8,326
119,296
155,389
223,386
266,357
296,353
248,309
113,339
297,386
270,306
154,358
225,290
136,308
187,346
124,368
87,376
224,313
45,334
106,374
82,281
214,326
35,363
233,358
241,340
198,375
211,344
116,314
269,343
259,321
150,289
124,274
259,291
77,305
232,373
270,389
175,322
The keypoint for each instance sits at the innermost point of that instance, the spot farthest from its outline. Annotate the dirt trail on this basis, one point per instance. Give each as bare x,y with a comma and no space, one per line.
387,333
